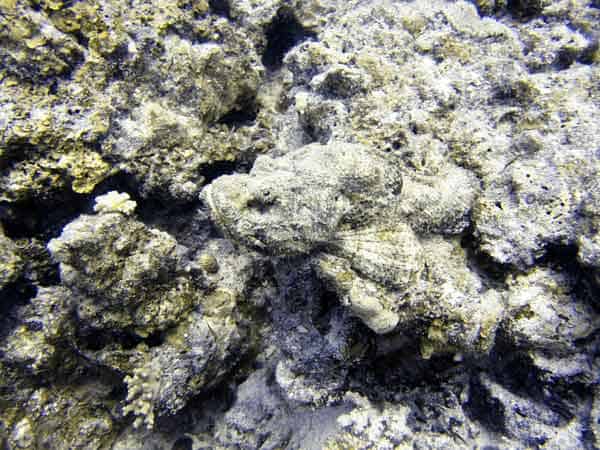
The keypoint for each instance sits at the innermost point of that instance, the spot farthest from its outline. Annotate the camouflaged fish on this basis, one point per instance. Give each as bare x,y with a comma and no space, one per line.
374,238
298,202
334,202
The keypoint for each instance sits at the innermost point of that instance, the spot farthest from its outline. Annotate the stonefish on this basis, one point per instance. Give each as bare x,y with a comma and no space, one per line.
341,205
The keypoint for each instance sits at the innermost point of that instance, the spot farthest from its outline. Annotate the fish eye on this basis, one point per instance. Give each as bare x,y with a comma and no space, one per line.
267,196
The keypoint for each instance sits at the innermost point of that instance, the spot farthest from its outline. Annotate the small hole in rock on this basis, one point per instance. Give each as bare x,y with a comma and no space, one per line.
242,115
183,443
283,33
524,9
220,7
213,171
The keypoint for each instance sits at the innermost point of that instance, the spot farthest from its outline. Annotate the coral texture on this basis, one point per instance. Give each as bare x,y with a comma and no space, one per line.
299,224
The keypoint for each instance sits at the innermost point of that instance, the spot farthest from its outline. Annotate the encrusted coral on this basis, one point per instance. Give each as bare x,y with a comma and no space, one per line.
10,261
115,201
123,273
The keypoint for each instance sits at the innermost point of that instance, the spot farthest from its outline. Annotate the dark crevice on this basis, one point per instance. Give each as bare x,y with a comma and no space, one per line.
41,218
524,9
514,369
376,376
237,118
485,409
12,296
561,258
45,218
322,314
482,262
517,372
209,403
95,339
314,131
53,87
39,267
186,220
120,182
243,114
283,33
183,443
14,153
217,169
211,172
588,55
566,57
220,7
81,39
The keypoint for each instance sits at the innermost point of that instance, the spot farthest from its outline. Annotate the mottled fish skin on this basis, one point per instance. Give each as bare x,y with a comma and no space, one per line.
296,203
392,257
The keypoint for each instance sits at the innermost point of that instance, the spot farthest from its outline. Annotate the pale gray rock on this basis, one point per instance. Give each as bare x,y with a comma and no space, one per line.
544,314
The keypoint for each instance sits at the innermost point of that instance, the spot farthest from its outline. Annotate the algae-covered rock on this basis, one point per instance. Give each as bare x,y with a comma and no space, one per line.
545,315
10,261
124,274
39,346
167,140
48,142
72,133
89,424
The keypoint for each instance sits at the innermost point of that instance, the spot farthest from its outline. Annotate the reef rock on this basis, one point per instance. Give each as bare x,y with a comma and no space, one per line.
123,273
299,224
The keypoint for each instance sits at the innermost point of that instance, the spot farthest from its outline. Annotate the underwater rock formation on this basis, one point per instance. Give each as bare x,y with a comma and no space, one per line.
269,224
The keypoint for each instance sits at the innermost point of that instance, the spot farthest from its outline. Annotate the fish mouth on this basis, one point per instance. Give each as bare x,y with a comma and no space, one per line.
207,196
218,217
255,244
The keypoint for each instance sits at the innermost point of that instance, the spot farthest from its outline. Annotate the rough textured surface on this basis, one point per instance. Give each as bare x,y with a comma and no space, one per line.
268,224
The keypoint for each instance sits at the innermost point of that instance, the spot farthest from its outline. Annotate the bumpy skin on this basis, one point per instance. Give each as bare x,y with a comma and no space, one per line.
296,203
343,200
